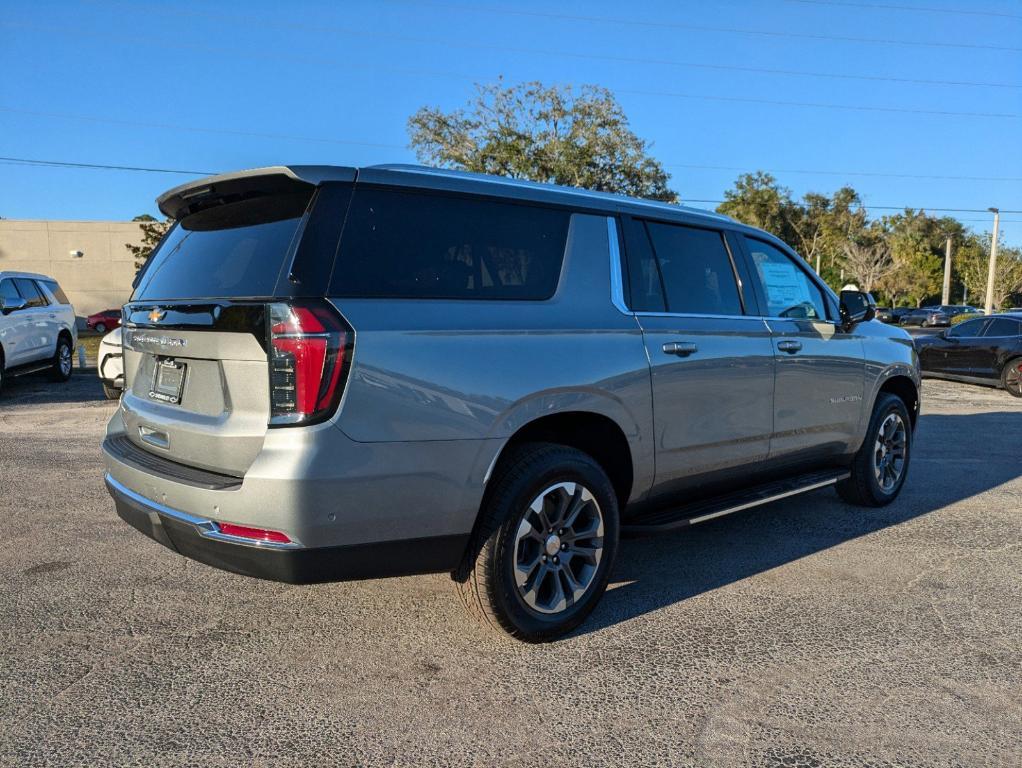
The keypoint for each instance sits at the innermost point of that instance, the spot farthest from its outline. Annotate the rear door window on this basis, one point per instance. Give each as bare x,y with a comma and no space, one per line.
55,290
236,250
1002,326
417,245
32,294
789,291
696,270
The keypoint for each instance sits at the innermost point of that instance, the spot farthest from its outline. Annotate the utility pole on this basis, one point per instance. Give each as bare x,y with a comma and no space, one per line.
993,262
946,295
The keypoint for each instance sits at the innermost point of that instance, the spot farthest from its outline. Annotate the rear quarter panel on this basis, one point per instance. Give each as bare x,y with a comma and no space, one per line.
438,371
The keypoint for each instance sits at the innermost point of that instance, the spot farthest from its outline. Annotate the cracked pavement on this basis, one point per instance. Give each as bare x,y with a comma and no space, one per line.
803,633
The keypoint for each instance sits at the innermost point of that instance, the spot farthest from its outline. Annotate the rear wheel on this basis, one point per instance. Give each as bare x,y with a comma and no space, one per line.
63,362
879,468
112,393
547,542
100,327
1011,377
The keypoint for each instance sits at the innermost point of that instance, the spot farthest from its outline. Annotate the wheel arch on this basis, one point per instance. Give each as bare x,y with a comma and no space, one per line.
595,434
904,388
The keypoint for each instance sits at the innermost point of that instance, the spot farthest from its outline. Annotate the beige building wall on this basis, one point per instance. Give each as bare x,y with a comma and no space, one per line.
99,279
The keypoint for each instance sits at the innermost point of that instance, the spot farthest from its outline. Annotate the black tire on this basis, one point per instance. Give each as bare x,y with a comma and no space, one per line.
488,586
63,360
100,328
863,488
1011,377
112,393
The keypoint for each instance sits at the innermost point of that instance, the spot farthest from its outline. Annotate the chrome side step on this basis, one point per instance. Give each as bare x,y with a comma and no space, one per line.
662,520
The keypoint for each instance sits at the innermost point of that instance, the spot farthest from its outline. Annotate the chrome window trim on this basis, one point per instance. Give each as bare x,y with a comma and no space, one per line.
617,285
207,528
699,316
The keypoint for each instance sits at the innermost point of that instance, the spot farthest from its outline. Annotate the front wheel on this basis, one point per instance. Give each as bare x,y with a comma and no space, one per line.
548,538
63,362
111,392
879,468
1011,377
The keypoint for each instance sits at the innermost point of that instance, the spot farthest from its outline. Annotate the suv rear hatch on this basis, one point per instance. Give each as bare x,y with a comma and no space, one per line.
226,334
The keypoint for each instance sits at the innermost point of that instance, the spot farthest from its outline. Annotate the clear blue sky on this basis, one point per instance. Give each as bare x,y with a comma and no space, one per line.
220,86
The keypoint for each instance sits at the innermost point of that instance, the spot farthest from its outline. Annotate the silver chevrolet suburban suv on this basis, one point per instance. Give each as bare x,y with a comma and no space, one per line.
336,373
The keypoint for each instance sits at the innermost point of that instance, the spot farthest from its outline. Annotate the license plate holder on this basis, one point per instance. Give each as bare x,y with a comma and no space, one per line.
168,381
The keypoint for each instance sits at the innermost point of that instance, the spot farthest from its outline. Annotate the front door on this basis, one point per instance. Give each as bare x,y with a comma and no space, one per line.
961,352
820,368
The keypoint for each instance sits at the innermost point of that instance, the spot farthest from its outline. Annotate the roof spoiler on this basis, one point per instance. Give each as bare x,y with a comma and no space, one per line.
215,190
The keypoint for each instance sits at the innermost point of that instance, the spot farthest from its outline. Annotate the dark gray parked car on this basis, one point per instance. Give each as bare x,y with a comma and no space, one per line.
334,373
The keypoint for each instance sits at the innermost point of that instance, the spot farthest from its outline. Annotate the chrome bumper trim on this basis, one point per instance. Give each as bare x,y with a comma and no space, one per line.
207,528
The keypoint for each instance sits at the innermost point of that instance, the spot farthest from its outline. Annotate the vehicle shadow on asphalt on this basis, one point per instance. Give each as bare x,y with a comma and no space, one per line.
37,389
658,571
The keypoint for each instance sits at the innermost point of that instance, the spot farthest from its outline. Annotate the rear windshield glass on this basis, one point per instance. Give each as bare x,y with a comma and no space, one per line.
415,245
230,251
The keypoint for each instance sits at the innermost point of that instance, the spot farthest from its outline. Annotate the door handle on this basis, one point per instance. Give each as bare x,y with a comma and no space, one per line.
789,345
680,348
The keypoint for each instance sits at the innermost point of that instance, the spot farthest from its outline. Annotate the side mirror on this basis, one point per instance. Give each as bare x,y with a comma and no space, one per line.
856,307
11,305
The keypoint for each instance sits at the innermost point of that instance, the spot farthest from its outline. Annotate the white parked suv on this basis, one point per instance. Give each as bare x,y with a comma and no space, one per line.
37,326
110,364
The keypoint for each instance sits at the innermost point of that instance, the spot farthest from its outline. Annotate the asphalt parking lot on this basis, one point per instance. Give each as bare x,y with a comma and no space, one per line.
804,633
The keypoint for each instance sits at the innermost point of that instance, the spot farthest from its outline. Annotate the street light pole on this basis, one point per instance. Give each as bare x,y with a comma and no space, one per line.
989,306
946,295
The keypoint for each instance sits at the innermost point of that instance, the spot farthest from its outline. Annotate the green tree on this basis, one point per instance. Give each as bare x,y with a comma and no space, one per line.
561,135
759,201
973,265
153,231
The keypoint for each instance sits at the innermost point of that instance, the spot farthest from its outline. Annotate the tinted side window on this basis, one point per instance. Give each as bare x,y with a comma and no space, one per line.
32,295
8,291
788,290
696,270
58,293
968,328
1002,326
416,245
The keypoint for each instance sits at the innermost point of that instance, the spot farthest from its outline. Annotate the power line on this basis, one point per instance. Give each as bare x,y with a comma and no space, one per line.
869,174
100,166
703,28
65,164
249,21
912,8
194,129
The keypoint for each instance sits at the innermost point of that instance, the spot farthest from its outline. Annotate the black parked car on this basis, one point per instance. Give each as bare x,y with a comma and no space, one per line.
892,315
986,350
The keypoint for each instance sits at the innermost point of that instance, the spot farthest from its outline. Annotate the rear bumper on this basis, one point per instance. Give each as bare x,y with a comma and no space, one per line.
200,539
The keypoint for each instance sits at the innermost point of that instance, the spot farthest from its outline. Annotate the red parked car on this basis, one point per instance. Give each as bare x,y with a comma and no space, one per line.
104,321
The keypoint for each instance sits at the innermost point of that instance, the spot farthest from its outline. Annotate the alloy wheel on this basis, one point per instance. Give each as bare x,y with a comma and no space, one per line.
890,452
558,547
65,360
1013,378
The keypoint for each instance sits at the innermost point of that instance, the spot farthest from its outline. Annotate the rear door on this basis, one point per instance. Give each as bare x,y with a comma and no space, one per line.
197,348
1000,338
820,368
712,364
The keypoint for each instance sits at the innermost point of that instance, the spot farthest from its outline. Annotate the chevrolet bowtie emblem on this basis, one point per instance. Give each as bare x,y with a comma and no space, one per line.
157,314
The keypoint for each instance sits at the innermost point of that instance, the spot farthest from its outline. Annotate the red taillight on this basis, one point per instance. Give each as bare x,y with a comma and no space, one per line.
309,348
256,534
